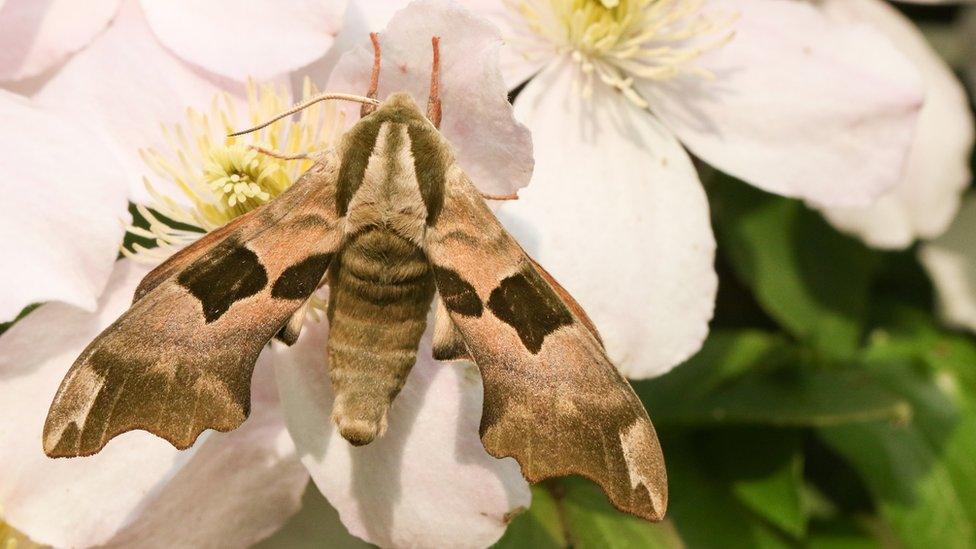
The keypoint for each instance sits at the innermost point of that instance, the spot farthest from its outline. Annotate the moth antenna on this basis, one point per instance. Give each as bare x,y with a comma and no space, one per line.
434,100
278,155
309,103
374,77
511,196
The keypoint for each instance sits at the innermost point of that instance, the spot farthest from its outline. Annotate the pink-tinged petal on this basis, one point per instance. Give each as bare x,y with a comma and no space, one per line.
524,52
125,86
616,213
62,209
38,35
801,105
258,39
951,263
360,20
232,488
428,481
491,146
923,204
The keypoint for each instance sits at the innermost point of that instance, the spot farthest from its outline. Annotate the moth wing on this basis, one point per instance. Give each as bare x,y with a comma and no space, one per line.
183,258
179,361
553,400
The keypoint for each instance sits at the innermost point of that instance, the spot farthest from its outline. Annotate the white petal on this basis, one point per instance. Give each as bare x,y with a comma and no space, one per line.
951,263
616,213
360,20
923,204
61,212
801,105
125,86
491,146
259,39
524,52
230,488
427,482
38,35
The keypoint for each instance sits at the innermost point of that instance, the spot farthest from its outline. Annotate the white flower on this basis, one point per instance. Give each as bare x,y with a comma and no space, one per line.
261,39
937,172
774,92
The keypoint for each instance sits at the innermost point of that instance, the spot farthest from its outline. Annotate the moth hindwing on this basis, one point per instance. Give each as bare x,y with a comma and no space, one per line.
390,221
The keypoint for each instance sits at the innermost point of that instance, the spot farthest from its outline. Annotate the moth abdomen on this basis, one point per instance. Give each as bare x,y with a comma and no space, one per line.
381,288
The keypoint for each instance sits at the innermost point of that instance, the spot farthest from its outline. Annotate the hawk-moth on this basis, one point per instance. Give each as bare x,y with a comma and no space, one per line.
390,222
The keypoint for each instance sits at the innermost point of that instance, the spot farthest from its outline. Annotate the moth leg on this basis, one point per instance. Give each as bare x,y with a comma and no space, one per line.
374,78
448,341
434,100
278,155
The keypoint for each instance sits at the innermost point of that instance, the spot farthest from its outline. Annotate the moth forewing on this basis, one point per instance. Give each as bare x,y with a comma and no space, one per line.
179,361
553,400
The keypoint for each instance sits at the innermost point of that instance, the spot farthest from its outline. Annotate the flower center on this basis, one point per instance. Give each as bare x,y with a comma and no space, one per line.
620,41
243,178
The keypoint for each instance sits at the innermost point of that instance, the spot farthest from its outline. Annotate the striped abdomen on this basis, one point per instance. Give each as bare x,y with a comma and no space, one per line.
380,288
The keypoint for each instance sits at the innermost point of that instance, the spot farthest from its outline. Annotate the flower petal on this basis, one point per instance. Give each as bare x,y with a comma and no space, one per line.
951,263
232,488
494,150
125,85
61,211
427,475
923,204
38,35
801,105
524,52
261,39
616,213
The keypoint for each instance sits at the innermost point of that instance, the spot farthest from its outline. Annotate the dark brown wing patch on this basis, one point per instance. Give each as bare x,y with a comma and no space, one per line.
182,259
525,302
458,294
227,278
302,278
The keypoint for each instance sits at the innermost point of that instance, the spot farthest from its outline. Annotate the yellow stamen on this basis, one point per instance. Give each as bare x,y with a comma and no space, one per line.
620,41
218,178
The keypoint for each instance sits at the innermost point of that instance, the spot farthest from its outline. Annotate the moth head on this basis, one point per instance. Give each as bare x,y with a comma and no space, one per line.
400,107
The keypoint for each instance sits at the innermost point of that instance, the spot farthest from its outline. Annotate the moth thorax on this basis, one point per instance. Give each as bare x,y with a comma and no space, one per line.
381,288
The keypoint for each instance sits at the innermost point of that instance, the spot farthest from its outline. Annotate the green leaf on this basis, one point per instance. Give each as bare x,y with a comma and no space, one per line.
591,521
765,470
539,527
921,474
847,533
316,525
807,276
703,506
4,326
754,377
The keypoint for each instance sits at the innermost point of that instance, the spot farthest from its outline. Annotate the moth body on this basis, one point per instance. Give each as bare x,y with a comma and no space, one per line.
381,286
